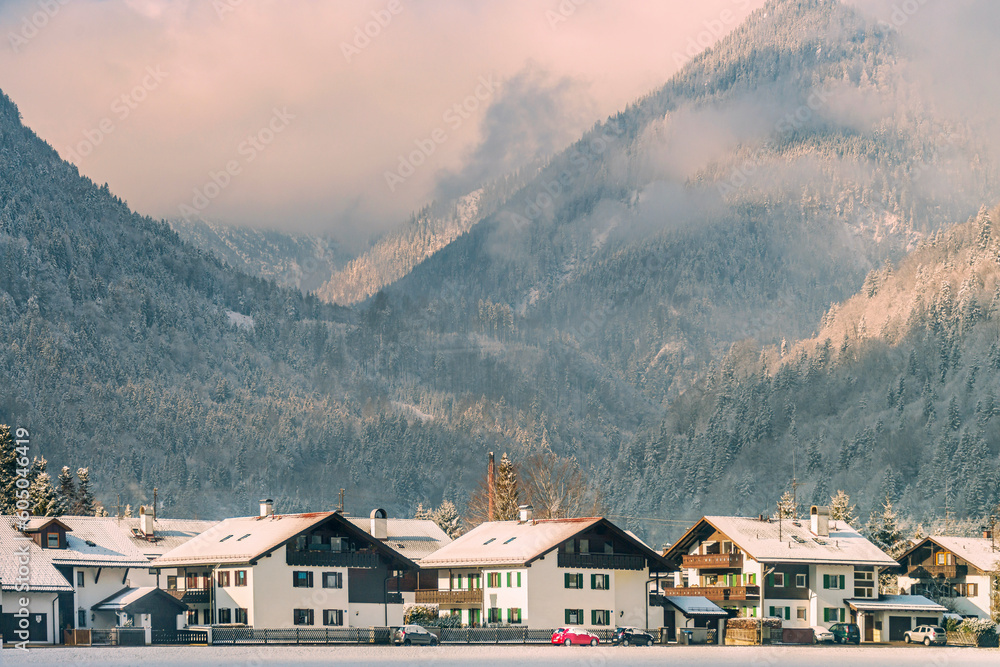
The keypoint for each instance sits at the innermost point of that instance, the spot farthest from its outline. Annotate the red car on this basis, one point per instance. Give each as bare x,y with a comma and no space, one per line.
579,636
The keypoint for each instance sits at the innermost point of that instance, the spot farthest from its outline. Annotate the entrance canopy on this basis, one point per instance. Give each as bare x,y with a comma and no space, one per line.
904,603
695,606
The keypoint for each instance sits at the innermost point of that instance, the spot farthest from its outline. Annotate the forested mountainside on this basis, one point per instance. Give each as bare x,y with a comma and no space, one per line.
302,261
895,396
583,305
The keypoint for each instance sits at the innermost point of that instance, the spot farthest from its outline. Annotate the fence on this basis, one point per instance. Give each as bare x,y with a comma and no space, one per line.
118,637
516,635
179,637
301,635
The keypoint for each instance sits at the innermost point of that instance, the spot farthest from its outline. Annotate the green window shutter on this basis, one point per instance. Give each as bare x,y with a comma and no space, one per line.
842,614
842,584
826,615
770,611
826,581
566,577
508,579
788,613
579,613
567,616
607,581
770,580
593,617
518,579
593,581
579,580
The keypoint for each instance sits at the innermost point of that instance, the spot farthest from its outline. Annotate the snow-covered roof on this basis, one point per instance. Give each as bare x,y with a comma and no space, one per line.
414,538
127,596
790,542
42,574
498,543
245,539
110,542
897,603
978,551
696,605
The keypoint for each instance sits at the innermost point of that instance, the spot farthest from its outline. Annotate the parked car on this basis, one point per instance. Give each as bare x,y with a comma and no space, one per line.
846,633
413,634
821,635
926,634
631,636
573,635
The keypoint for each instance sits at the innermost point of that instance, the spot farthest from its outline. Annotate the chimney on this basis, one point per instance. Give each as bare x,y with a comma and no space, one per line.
145,522
491,483
266,508
820,521
525,513
379,529
987,534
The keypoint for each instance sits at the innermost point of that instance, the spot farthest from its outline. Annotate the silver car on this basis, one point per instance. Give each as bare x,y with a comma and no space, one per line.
927,634
413,634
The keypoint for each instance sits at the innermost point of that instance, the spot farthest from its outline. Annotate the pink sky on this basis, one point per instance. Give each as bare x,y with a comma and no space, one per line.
199,79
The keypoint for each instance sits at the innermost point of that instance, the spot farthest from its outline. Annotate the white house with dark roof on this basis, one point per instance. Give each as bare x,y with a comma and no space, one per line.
290,570
542,574
960,571
814,572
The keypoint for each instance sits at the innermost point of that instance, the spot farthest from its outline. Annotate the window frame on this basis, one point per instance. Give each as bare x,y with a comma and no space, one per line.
225,615
337,580
778,579
306,614
240,578
223,578
48,540
241,616
803,578
333,617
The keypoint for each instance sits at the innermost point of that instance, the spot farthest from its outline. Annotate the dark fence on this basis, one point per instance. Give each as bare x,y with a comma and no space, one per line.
301,635
129,637
515,635
180,636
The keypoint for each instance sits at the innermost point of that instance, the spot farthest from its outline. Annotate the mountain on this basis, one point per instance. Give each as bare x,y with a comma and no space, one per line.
304,262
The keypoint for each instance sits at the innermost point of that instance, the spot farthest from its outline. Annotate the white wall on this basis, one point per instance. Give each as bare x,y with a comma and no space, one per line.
274,597
834,598
109,583
369,614
504,597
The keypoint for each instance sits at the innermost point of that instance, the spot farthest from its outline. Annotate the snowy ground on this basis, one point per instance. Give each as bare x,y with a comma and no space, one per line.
481,656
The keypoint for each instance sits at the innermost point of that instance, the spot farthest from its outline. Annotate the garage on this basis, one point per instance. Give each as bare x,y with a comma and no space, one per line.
899,626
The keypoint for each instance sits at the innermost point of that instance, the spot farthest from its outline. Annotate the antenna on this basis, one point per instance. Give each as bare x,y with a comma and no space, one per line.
154,504
118,507
795,488
341,508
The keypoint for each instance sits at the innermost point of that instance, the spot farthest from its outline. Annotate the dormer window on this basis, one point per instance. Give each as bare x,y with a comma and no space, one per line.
52,540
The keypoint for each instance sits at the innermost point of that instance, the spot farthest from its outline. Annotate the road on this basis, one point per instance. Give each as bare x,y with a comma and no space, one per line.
481,656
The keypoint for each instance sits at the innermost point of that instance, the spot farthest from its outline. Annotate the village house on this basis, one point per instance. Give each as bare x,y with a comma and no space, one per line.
545,573
962,572
814,572
92,572
289,570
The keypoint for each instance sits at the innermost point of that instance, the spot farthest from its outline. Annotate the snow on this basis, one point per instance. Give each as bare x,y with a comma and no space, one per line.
417,412
239,320
697,656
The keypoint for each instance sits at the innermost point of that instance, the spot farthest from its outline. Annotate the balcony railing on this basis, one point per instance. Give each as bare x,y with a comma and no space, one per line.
474,596
190,595
602,561
713,561
947,571
716,593
331,559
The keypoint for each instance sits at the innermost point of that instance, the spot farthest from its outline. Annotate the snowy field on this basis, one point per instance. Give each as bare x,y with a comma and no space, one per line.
704,656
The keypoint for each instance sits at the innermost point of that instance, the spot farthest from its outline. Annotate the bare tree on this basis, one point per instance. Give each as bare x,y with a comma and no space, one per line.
557,488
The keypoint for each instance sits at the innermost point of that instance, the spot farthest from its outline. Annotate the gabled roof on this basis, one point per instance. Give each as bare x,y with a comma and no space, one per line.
414,538
767,542
42,574
977,551
246,539
109,541
125,598
38,523
498,543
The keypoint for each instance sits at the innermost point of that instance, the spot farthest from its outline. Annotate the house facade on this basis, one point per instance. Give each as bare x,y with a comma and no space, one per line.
542,574
289,570
961,572
806,572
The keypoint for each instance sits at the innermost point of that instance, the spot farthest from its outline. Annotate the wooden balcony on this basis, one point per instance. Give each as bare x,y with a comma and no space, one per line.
716,593
713,561
602,561
475,596
331,559
939,571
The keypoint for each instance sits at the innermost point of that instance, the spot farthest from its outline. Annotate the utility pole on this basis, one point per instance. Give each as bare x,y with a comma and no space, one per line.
341,507
795,488
947,509
154,504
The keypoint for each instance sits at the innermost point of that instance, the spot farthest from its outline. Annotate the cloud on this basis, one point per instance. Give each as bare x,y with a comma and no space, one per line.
364,80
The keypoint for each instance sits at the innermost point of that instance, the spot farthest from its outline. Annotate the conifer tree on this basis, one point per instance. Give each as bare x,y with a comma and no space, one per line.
8,471
44,500
507,492
787,507
421,513
67,491
841,509
446,516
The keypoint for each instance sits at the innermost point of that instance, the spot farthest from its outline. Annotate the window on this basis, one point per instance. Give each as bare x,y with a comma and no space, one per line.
302,579
492,579
79,578
52,540
514,615
778,580
584,545
493,615
333,580
241,615
834,581
223,579
81,617
192,617
864,583
600,582
833,614
941,558
800,613
571,580
966,590
600,617
492,539
510,540
241,577
800,581
750,579
171,582
333,617
574,616
225,615
302,616
510,579
780,612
